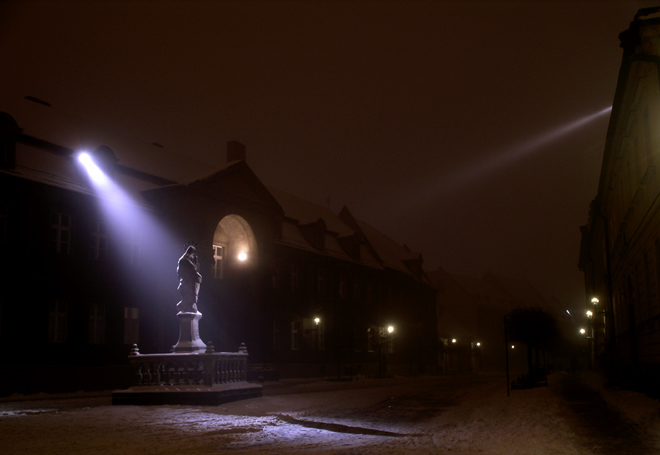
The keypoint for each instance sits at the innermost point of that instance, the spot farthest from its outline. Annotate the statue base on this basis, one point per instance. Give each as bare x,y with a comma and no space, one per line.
189,340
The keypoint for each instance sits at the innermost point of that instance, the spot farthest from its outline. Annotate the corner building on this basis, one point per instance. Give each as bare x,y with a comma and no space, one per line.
310,292
620,249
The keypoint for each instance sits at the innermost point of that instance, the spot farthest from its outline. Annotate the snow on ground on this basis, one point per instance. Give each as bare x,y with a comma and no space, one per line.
427,415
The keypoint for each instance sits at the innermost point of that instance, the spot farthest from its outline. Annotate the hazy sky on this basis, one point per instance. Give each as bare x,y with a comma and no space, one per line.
444,124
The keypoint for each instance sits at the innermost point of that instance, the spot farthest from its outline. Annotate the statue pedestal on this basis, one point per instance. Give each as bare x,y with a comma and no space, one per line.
189,340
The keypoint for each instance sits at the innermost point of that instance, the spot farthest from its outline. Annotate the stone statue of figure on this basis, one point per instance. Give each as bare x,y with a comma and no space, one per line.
189,280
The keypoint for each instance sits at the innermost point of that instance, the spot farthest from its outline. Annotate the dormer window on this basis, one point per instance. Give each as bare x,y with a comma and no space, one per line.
314,233
351,245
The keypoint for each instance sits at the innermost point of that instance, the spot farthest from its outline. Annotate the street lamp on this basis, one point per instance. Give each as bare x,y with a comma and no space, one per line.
383,334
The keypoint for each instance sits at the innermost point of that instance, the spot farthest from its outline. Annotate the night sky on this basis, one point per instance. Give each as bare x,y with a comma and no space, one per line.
444,124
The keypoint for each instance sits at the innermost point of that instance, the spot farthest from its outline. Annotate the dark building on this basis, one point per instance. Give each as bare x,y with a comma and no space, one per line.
620,250
471,325
310,292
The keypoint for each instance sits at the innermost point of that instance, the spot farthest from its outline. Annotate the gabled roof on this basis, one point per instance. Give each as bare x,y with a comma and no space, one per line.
234,180
305,212
299,213
151,173
78,133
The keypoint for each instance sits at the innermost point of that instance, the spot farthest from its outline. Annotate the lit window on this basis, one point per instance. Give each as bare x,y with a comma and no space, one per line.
57,321
97,324
131,325
218,261
61,233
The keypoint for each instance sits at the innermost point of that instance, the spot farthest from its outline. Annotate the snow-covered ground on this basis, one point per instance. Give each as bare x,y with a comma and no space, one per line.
428,415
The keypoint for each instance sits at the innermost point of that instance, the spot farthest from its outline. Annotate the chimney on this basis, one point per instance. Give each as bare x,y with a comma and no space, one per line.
235,151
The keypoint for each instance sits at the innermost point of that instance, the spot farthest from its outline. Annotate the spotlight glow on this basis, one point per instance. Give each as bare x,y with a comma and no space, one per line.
131,223
94,172
497,160
242,256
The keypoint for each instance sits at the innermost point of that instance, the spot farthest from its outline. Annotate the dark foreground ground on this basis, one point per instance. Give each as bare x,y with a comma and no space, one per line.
575,414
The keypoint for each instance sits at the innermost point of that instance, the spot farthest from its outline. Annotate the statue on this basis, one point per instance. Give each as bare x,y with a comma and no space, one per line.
188,315
189,280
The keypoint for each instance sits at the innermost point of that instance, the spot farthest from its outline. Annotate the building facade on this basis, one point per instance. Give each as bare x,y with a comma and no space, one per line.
310,292
620,249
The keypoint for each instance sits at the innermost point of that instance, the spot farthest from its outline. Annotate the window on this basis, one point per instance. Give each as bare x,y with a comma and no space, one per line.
218,261
372,339
342,286
57,321
295,335
97,324
276,276
370,293
61,233
320,282
358,337
277,345
356,289
314,331
131,325
99,241
320,331
134,247
294,277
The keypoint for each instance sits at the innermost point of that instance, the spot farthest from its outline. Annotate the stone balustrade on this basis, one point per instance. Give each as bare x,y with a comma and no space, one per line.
189,369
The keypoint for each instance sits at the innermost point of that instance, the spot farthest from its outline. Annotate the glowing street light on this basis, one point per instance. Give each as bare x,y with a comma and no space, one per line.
454,340
390,329
93,170
589,314
595,301
317,321
583,331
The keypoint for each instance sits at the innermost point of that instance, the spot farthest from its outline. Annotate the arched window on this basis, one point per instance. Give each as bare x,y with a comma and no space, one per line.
234,246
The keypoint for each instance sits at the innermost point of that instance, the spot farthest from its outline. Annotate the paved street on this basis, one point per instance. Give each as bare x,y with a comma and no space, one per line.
428,415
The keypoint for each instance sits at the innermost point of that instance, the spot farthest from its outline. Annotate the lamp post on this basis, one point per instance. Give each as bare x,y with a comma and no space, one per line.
383,337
